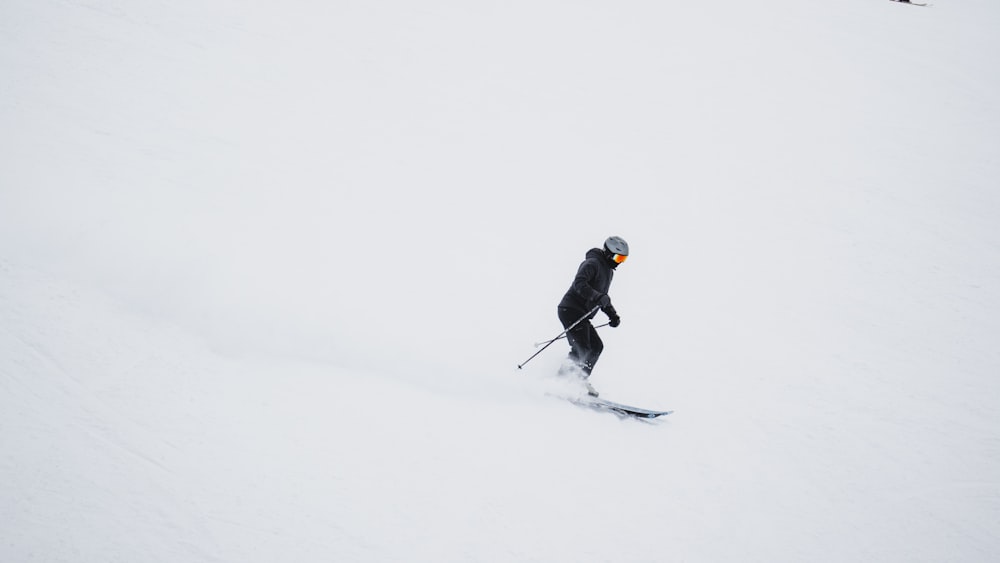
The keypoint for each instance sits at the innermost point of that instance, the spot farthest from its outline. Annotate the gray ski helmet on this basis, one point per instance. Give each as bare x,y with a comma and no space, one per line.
616,245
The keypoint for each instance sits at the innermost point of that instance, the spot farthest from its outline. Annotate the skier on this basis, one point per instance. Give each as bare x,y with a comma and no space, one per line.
589,290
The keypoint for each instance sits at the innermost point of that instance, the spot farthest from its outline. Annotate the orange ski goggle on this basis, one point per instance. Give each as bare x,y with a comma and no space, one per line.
619,258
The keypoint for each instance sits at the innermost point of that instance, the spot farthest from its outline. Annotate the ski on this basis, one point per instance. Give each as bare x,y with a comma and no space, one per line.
597,403
908,2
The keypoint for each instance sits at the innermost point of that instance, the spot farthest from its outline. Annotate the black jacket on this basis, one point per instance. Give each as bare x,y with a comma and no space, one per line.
593,279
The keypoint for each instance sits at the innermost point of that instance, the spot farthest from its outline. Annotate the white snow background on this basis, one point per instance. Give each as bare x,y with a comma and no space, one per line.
267,270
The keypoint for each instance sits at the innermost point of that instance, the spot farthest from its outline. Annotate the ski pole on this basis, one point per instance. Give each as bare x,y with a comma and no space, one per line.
561,334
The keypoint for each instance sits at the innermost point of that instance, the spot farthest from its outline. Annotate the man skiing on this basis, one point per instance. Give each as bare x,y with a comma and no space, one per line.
590,290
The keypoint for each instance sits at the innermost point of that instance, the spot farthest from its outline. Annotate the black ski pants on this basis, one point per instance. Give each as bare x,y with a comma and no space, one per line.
585,345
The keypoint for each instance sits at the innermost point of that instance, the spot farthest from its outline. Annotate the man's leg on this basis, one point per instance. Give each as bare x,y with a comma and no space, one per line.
579,337
596,346
582,341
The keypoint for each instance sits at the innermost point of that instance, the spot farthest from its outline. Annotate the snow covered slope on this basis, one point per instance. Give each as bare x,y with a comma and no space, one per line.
266,271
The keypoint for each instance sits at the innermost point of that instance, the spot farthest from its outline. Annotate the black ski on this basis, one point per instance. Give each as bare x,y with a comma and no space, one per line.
908,2
622,410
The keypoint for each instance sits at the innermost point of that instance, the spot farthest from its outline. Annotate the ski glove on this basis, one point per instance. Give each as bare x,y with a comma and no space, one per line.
613,319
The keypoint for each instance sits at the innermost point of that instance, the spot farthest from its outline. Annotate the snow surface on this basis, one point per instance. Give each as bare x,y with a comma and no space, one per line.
266,271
